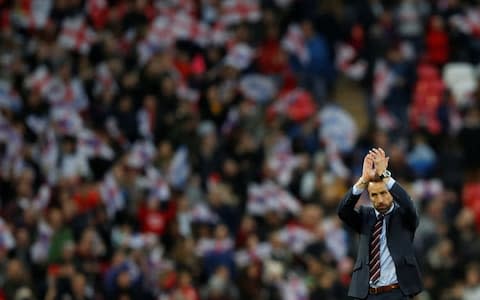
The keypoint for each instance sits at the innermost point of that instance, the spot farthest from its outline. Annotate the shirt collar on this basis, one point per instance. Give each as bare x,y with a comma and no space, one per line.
389,210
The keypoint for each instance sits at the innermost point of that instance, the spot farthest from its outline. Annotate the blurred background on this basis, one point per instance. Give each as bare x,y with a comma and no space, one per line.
197,149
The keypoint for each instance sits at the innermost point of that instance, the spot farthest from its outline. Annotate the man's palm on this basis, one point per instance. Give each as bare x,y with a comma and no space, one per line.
368,172
380,160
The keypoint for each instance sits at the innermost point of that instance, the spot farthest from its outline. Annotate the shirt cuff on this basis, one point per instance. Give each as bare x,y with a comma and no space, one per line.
356,190
390,183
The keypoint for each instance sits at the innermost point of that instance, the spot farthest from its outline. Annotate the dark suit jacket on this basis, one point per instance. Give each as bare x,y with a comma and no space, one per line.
401,224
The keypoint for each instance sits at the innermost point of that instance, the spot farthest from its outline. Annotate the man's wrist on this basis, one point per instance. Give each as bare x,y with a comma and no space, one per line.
359,186
385,175
361,182
389,181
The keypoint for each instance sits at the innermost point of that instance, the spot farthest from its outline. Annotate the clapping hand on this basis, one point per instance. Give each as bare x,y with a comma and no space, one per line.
380,160
374,164
368,170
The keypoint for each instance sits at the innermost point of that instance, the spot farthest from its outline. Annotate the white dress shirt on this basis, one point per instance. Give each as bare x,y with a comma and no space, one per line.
388,272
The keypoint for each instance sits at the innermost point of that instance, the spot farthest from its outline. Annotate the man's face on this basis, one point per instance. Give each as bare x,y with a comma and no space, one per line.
380,196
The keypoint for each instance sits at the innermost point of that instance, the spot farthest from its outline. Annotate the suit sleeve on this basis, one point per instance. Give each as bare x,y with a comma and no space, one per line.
347,213
407,208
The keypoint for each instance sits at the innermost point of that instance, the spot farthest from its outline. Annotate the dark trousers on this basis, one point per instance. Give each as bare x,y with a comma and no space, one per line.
395,294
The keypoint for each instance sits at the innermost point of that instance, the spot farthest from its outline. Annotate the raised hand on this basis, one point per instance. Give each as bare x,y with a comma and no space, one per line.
380,160
368,170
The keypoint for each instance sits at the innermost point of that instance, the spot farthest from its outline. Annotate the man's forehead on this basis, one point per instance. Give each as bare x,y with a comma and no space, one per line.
376,186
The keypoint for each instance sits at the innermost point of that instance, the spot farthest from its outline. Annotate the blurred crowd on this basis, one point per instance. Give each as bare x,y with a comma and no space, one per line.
194,149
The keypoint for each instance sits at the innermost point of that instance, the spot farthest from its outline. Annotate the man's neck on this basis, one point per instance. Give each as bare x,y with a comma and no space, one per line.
386,212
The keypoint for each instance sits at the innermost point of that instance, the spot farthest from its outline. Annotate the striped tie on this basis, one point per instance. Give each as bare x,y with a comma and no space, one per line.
375,250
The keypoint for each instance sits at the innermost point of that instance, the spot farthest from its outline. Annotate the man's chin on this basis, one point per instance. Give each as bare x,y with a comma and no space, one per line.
382,209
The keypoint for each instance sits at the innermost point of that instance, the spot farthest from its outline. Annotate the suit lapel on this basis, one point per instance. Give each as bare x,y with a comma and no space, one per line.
388,218
387,221
371,222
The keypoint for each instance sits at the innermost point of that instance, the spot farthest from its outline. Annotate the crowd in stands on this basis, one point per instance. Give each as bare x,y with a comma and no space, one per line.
194,149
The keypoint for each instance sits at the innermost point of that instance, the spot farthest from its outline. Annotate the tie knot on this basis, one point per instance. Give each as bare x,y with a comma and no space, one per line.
380,217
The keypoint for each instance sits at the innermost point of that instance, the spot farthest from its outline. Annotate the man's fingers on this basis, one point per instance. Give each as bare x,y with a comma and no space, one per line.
368,162
369,156
379,152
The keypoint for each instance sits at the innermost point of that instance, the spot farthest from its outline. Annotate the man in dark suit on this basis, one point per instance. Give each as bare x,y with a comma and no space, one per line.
386,267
